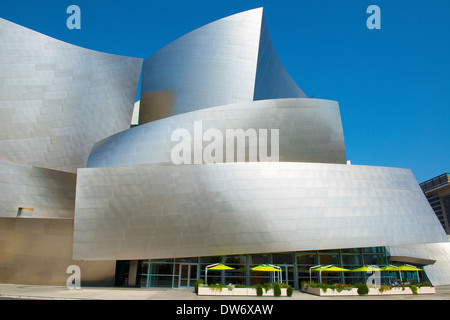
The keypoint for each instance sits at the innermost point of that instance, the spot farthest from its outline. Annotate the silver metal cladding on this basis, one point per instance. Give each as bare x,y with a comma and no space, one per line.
57,99
310,130
215,65
167,211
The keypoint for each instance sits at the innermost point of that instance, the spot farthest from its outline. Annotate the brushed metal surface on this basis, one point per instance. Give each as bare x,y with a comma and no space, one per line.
38,252
57,99
310,130
439,272
215,65
49,193
166,211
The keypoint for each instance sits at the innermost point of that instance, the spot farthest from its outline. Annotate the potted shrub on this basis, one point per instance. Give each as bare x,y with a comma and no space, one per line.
197,283
289,291
276,289
363,289
259,290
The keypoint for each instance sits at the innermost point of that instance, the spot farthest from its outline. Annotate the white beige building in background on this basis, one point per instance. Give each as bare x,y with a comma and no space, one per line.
79,186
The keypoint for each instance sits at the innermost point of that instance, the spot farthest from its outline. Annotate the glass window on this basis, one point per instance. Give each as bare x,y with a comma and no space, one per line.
352,250
325,259
191,260
232,260
375,259
144,266
373,250
161,268
329,251
257,259
351,260
308,259
210,260
283,258
160,281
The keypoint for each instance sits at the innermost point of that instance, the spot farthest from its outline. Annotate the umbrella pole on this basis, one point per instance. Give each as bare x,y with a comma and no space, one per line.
206,271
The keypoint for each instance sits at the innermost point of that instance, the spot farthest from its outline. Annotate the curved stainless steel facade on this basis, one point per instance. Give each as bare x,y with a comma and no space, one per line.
59,102
439,271
134,202
167,211
212,66
310,130
57,99
49,193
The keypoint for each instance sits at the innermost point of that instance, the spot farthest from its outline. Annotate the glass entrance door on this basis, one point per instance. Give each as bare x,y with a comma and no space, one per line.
187,275
287,274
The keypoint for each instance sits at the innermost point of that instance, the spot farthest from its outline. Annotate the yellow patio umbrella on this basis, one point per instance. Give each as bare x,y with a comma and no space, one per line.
269,267
366,269
264,267
391,268
329,268
334,269
220,267
216,266
407,267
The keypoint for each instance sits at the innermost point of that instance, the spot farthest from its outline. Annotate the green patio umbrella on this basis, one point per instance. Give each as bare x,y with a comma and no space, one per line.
216,266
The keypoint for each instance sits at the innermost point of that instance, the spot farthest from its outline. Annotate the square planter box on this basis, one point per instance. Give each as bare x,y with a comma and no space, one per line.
330,292
242,291
426,290
206,291
372,291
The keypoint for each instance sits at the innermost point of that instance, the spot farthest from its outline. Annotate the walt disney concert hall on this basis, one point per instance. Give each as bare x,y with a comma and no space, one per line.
84,182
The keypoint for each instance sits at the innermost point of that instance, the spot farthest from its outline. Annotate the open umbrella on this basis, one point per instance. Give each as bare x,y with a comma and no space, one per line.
391,268
407,267
265,267
366,269
269,267
216,266
329,268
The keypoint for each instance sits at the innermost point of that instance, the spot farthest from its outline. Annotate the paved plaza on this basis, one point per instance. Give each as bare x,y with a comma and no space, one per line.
38,292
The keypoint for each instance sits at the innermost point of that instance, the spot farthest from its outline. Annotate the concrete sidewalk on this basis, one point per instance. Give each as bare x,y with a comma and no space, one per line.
38,292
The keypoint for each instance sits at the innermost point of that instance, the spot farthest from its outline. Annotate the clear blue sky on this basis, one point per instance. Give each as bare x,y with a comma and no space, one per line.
393,84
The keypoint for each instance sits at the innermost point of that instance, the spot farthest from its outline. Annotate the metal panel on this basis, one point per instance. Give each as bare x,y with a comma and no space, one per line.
57,99
272,80
44,193
261,207
38,251
300,123
438,272
214,65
